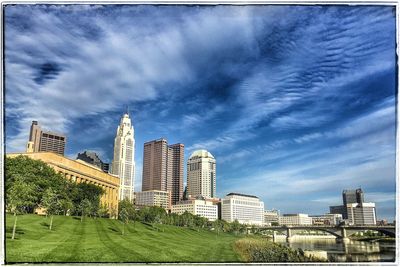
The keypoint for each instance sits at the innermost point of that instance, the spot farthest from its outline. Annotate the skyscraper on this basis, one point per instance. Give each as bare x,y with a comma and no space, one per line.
201,174
155,167
45,141
176,161
353,196
354,208
163,168
123,164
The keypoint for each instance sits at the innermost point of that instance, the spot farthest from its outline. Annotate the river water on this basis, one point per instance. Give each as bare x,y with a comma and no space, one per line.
351,251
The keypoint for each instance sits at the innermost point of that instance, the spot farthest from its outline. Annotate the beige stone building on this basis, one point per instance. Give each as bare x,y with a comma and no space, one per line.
80,172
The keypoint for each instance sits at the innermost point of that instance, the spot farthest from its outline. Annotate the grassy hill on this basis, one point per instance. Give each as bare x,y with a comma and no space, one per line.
100,240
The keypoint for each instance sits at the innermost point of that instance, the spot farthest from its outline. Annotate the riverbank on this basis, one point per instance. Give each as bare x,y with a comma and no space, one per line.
262,250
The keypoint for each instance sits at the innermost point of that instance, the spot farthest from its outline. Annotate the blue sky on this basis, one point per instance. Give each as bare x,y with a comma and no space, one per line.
296,103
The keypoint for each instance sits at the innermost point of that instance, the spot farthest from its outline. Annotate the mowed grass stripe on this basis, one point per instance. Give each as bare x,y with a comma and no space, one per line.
100,240
37,231
123,253
172,244
68,249
146,241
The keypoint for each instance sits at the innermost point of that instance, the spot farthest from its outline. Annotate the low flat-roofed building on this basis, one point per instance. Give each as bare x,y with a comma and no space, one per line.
361,214
80,172
295,219
153,198
271,217
246,209
200,207
327,219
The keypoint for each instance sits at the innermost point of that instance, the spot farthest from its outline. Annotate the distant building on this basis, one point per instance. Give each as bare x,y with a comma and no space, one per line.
246,209
352,196
338,210
45,141
185,194
199,207
215,201
106,167
93,159
163,168
349,197
176,160
201,174
271,217
327,219
123,164
361,214
295,219
154,198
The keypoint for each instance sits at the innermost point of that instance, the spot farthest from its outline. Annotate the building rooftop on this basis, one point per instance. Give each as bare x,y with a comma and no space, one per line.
242,195
162,139
202,153
295,214
352,190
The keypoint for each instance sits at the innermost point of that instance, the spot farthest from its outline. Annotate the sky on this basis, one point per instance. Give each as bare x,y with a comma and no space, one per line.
296,103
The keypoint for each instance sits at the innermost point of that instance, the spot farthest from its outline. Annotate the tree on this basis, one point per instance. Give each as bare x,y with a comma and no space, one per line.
217,225
19,197
152,214
187,219
113,212
84,208
199,222
226,227
124,216
66,195
103,211
91,193
51,203
34,172
235,226
67,206
40,175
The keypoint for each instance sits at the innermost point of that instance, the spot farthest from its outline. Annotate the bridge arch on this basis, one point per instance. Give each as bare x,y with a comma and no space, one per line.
334,232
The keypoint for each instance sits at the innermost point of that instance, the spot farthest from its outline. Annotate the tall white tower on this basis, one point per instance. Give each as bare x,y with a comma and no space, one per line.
123,164
201,174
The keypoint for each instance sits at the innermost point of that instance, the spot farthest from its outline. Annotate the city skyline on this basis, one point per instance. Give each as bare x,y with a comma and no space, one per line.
302,111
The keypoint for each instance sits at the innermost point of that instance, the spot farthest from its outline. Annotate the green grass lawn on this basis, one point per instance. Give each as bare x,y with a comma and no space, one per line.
100,240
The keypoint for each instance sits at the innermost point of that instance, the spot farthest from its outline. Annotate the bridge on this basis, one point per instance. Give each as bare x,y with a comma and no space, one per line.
340,232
